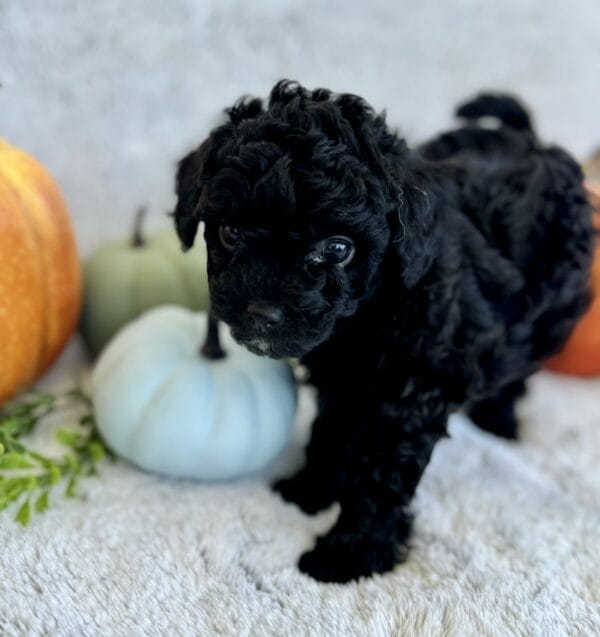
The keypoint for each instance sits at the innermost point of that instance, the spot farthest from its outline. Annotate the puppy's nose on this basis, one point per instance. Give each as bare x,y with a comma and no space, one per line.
265,315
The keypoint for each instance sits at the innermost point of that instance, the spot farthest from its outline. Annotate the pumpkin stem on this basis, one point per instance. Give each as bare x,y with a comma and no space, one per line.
212,347
138,238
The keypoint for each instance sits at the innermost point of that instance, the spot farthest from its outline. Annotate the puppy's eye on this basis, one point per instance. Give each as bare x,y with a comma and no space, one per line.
338,251
229,236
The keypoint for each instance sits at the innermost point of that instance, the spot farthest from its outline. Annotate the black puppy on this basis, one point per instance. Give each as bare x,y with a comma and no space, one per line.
411,283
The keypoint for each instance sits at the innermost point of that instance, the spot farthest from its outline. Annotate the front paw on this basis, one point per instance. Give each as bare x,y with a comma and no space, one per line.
343,559
310,494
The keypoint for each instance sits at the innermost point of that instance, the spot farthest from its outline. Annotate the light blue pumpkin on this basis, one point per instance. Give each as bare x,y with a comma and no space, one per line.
160,404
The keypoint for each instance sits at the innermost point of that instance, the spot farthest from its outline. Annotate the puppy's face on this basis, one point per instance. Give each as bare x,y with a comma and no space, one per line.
282,287
296,219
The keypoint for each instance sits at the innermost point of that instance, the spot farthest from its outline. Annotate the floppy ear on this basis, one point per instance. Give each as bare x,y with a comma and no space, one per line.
190,182
193,172
414,232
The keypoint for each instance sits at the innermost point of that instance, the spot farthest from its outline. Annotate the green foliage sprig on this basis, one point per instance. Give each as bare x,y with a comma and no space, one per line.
26,476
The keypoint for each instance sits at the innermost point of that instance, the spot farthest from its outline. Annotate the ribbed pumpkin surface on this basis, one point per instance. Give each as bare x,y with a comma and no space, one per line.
40,277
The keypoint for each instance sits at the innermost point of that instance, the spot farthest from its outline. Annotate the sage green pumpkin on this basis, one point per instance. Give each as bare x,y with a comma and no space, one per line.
124,279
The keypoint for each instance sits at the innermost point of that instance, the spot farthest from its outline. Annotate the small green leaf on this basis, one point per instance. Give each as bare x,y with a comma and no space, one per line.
1,448
11,489
96,451
43,460
69,437
41,503
14,494
17,447
24,514
11,425
70,491
55,474
73,464
13,460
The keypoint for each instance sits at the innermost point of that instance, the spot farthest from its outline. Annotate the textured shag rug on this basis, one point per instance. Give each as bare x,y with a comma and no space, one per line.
506,542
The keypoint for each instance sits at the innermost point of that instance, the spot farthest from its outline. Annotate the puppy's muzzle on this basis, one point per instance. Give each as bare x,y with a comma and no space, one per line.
264,316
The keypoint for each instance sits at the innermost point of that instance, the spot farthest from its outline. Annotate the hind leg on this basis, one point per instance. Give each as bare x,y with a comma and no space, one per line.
497,414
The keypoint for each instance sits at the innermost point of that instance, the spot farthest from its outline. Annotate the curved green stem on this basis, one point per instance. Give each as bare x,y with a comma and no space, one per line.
138,240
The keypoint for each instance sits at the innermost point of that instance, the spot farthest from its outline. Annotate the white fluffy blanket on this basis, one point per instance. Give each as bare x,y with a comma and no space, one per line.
506,542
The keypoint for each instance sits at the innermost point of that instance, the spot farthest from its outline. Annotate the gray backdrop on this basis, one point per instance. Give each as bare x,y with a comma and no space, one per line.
109,94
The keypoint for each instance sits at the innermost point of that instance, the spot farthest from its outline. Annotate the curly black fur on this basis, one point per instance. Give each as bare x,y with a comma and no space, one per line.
472,257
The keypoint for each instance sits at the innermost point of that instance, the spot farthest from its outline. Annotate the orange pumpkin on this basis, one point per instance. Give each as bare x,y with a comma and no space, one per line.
581,354
40,277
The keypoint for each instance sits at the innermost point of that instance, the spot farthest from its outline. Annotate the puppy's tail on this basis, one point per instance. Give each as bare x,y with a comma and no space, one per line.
507,109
